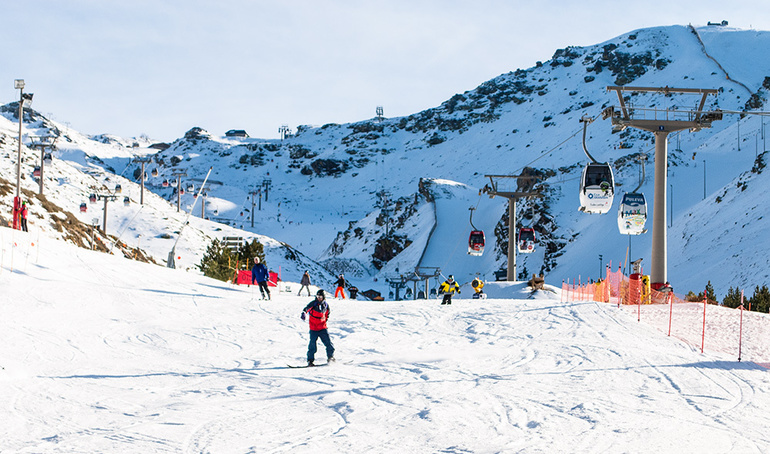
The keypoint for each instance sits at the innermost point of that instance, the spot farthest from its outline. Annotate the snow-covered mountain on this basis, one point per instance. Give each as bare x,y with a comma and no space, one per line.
377,198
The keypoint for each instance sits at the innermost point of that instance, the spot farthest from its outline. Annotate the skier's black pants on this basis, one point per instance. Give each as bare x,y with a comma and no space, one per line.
447,298
263,289
312,348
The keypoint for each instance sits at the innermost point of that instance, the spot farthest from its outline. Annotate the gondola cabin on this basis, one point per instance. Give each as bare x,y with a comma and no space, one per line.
118,189
126,201
632,214
165,183
476,242
92,198
36,172
47,158
154,172
83,207
190,188
597,188
526,243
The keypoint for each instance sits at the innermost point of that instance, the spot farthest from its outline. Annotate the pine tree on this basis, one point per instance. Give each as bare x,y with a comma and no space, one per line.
710,295
760,301
732,299
218,262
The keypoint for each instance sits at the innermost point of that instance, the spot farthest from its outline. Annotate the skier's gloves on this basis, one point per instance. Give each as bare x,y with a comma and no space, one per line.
302,316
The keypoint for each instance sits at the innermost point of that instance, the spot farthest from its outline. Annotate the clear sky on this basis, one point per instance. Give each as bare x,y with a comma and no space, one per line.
131,67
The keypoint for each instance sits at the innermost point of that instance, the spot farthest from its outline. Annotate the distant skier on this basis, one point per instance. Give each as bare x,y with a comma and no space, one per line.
318,311
340,287
259,274
305,283
448,287
23,215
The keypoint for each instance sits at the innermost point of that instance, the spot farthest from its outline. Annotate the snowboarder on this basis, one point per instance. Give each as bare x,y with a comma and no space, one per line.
23,215
305,283
318,311
448,287
340,287
259,274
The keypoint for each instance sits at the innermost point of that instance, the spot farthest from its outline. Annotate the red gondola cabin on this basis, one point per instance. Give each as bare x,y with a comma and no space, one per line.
476,242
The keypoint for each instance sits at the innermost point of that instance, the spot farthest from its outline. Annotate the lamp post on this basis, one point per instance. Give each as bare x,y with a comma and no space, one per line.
19,85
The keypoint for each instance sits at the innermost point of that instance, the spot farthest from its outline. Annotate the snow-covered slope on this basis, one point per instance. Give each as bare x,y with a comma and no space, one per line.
101,354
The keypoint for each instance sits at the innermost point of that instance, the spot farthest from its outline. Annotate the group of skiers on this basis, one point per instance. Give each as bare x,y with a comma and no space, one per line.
317,311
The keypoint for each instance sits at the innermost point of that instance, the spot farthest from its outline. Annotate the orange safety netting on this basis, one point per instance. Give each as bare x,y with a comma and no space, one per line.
702,324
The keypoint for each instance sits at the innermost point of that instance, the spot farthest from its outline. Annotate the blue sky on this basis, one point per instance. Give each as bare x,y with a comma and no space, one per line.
160,68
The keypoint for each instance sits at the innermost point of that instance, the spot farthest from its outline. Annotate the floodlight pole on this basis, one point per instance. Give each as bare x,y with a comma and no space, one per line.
661,128
19,84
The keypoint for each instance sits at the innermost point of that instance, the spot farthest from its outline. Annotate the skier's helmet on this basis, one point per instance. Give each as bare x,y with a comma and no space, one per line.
320,293
451,277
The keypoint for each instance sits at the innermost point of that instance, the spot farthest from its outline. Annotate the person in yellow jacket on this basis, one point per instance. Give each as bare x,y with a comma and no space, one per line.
447,288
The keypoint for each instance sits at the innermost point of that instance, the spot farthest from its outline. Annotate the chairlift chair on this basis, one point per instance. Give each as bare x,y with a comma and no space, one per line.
526,243
597,188
632,214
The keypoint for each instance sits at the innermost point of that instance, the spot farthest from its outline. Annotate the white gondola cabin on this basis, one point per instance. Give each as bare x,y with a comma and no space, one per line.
476,242
126,201
597,188
632,214
526,243
47,158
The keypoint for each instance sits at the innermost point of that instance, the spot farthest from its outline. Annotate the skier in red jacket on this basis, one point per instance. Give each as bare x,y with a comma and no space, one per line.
318,311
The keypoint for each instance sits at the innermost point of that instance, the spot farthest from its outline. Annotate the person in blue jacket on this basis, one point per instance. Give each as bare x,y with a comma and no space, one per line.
260,275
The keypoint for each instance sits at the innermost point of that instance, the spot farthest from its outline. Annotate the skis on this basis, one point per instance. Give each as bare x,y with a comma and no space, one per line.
307,366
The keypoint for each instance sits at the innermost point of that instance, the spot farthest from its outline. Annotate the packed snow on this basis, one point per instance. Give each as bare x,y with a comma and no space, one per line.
104,354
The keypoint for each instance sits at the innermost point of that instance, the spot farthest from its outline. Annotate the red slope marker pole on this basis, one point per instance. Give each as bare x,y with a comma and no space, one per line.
703,335
740,330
